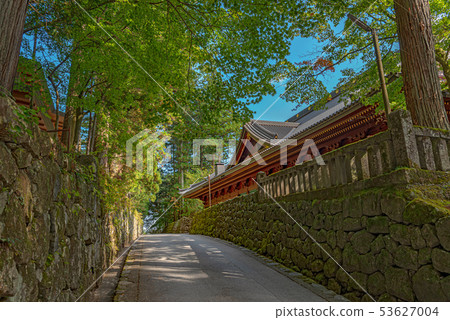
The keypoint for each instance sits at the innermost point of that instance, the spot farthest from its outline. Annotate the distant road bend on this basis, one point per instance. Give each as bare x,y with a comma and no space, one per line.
182,267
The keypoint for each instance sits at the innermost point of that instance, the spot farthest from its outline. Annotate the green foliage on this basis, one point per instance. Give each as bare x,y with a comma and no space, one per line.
186,68
343,42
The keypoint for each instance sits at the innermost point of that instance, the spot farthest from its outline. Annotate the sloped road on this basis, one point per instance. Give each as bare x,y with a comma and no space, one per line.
182,267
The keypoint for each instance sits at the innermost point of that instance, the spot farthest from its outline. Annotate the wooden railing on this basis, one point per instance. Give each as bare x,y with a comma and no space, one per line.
402,145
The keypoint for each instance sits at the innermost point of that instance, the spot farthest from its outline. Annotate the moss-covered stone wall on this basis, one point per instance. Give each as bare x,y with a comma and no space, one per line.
396,244
55,239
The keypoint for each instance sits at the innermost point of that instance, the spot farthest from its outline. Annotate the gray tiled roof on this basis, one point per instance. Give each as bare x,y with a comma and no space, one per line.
315,117
266,130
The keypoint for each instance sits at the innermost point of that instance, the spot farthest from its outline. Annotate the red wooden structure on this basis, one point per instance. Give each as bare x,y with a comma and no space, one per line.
338,124
22,93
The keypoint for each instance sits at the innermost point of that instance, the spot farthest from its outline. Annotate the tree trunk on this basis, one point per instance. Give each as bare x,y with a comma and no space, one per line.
88,141
79,115
420,74
70,117
68,127
93,135
12,21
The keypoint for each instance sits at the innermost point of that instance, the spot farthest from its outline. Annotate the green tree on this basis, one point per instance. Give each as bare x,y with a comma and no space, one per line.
324,20
176,66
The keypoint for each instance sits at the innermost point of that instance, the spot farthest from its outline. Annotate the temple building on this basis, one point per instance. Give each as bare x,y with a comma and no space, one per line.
338,123
31,90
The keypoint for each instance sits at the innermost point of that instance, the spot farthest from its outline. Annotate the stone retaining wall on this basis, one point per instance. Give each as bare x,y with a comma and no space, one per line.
394,242
55,239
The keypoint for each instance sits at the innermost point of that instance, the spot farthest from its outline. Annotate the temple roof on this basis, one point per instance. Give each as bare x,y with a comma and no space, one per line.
293,128
267,130
332,108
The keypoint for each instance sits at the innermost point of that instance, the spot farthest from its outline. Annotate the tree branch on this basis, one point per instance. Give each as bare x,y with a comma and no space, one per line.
350,53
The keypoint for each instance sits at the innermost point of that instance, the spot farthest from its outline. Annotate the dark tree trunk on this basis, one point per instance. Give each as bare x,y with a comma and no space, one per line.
79,114
93,135
12,21
68,127
420,74
70,117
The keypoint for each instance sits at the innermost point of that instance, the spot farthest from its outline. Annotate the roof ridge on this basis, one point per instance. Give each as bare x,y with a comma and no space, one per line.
254,126
279,123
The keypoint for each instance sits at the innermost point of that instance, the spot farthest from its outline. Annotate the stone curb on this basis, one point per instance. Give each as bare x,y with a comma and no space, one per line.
106,290
127,286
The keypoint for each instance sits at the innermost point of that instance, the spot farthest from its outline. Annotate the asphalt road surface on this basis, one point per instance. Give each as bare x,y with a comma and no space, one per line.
182,267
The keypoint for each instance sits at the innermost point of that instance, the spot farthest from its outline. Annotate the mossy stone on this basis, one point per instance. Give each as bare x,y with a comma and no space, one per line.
384,260
342,277
393,206
316,250
329,222
361,241
386,297
352,296
379,224
298,259
377,245
367,263
321,236
376,284
427,285
398,283
334,286
307,273
316,265
338,221
420,212
400,233
358,281
424,256
351,224
417,240
321,279
306,247
319,221
371,204
406,257
350,259
428,232
330,267
331,239
443,232
341,239
352,207
441,260
336,205
271,249
445,284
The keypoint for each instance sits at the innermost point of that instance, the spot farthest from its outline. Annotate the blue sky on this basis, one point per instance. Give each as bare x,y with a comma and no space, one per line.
301,49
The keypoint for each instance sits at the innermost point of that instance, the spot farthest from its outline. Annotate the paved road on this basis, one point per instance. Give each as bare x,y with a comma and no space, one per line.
182,267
